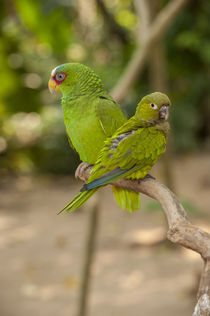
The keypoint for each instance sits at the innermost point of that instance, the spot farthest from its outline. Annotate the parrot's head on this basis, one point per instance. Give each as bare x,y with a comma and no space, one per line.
74,79
154,107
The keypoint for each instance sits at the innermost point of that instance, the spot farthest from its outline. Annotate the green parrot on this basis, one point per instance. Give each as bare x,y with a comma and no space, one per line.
132,150
90,116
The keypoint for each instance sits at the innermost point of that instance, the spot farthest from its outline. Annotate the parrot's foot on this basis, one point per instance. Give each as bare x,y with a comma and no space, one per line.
148,176
79,173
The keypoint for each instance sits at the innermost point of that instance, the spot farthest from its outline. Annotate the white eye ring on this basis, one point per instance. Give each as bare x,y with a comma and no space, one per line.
60,76
153,106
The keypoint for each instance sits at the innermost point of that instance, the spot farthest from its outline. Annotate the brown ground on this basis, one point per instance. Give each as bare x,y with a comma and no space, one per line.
42,253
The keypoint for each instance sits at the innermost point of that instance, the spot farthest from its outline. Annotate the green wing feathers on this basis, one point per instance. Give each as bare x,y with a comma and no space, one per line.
109,114
127,199
138,152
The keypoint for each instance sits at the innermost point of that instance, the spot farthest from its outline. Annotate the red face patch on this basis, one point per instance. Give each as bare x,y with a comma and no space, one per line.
59,77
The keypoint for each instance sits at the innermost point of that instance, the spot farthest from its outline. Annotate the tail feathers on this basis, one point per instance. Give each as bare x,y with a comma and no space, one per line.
78,201
120,196
127,199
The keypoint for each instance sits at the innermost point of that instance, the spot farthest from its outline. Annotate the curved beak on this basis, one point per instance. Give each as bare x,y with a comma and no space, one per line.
164,112
53,86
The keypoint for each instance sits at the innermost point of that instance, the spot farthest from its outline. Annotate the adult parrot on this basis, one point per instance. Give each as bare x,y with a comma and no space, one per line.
132,150
90,116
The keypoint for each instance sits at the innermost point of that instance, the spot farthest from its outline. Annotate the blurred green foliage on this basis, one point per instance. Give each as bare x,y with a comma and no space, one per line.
35,36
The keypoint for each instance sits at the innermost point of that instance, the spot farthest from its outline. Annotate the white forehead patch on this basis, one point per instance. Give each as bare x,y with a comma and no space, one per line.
54,71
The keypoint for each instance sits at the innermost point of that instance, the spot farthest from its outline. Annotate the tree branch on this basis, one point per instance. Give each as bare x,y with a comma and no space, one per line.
143,12
137,62
181,231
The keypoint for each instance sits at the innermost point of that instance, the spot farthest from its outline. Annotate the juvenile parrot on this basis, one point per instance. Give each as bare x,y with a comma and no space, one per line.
90,116
132,150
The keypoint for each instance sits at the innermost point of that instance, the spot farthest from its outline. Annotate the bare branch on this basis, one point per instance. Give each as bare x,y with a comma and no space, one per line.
137,62
143,11
202,307
181,231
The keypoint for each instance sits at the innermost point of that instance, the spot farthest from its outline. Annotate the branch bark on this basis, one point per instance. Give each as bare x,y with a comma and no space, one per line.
181,231
143,12
137,62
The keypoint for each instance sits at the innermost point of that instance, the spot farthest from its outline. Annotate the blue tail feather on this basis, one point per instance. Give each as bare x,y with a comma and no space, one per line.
107,178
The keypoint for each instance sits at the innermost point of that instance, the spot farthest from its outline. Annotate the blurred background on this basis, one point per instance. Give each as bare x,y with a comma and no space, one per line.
136,271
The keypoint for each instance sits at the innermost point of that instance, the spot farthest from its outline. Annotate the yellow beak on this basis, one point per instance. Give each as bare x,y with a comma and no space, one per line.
53,86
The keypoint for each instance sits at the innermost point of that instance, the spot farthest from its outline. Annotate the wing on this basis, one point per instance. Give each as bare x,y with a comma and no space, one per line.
109,115
128,154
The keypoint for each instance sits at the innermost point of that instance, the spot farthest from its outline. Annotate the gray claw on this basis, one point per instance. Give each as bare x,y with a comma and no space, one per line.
79,173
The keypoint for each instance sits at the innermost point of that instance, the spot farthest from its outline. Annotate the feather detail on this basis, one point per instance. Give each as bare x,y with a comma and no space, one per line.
78,201
120,196
135,201
127,199
107,178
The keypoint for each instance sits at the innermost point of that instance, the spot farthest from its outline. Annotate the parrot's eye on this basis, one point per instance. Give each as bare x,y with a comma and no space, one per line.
60,76
154,106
